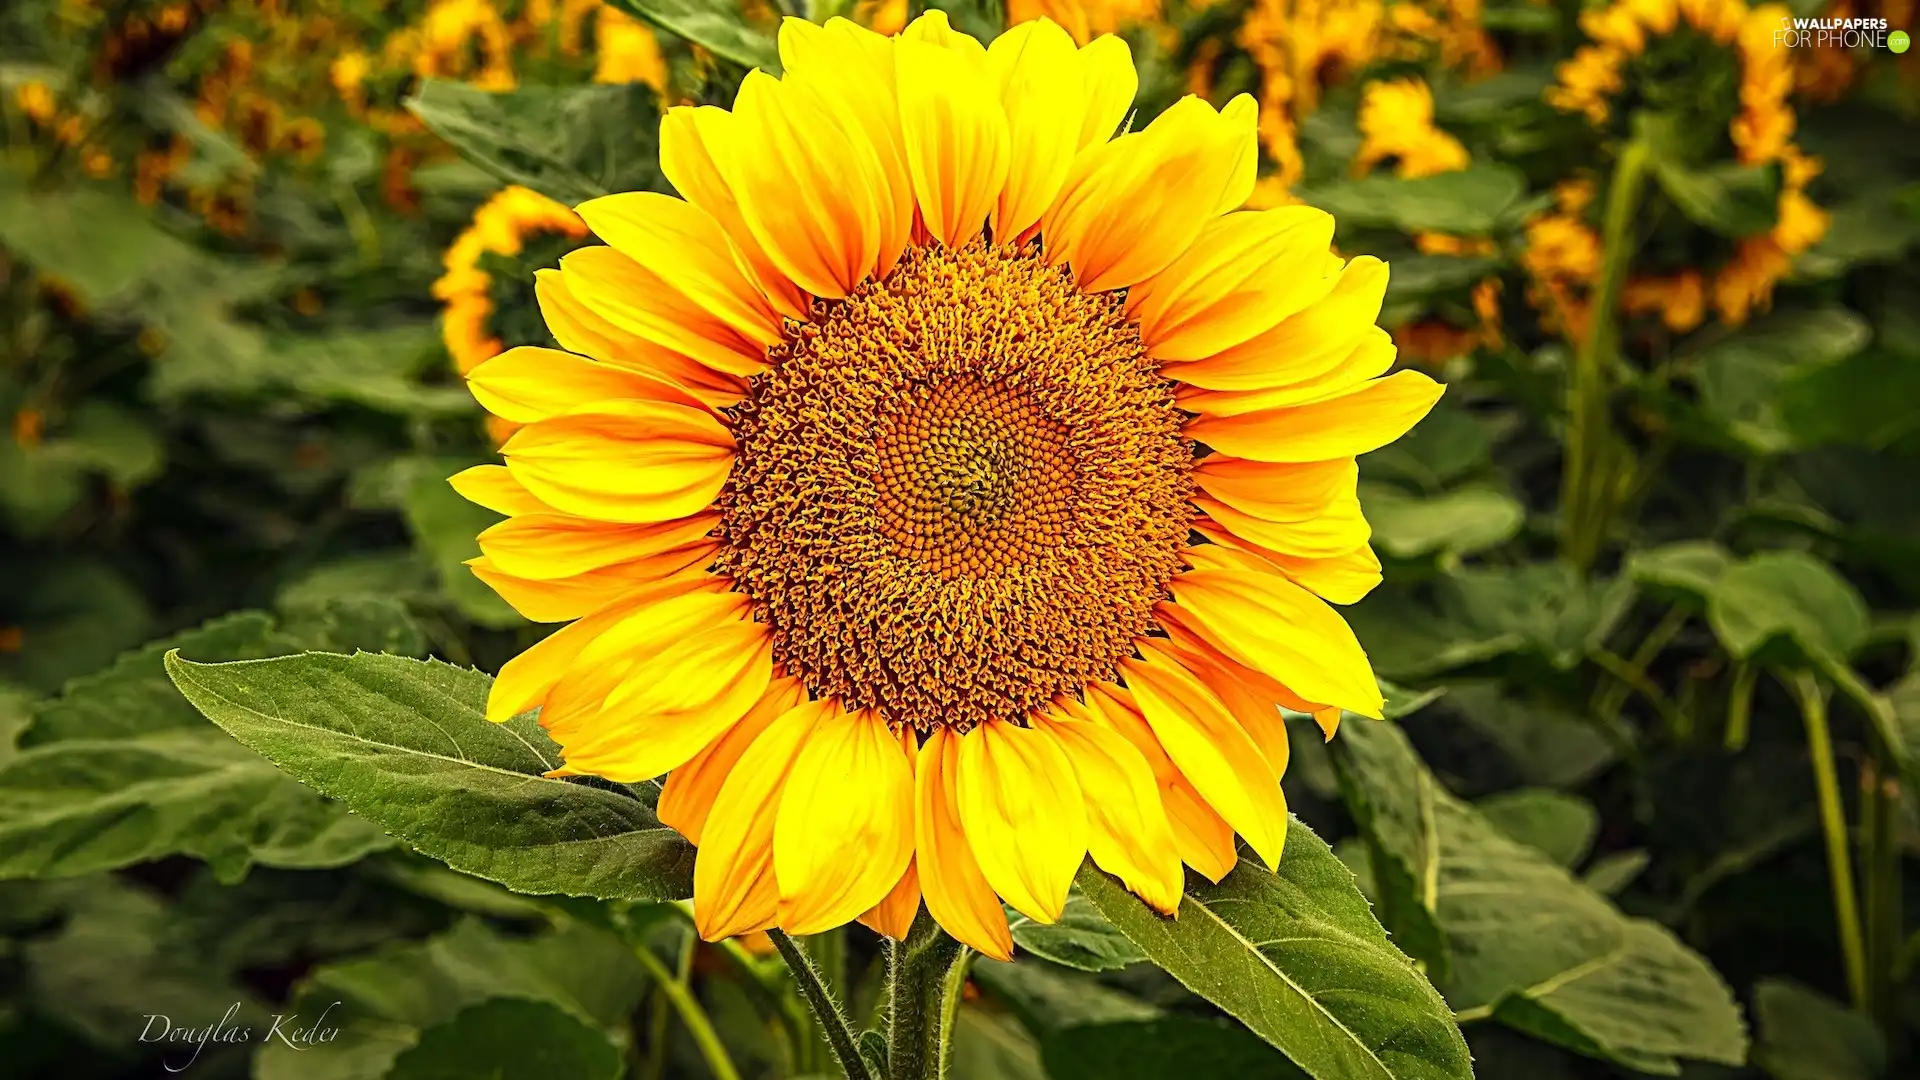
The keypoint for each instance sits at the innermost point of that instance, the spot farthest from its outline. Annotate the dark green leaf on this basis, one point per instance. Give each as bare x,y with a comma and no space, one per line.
569,143
1154,1049
1870,399
1689,569
1547,745
1787,594
73,617
1611,874
1457,523
446,528
1470,202
1081,938
1805,1035
1728,198
989,1046
405,743
1558,825
1298,957
1526,943
510,1040
1048,998
717,26
1740,376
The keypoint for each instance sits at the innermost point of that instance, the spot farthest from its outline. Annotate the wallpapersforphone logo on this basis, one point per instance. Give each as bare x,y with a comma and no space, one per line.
286,1028
1828,33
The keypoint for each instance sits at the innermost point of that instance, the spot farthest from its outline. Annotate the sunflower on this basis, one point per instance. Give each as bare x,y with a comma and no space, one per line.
943,489
501,228
1760,133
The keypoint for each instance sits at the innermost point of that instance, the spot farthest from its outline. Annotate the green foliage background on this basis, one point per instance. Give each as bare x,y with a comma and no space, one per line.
1645,803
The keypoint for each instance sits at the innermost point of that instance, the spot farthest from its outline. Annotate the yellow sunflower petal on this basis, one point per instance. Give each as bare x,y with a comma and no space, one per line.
1128,834
563,599
684,246
1270,624
578,329
1211,748
548,545
493,487
1307,343
1129,212
956,137
630,461
1337,579
1345,425
691,139
844,834
1337,528
893,915
1293,491
1370,359
1202,836
1109,84
1009,778
1251,698
526,680
688,796
645,304
852,69
933,28
734,888
604,664
527,383
1040,88
1246,273
957,894
810,190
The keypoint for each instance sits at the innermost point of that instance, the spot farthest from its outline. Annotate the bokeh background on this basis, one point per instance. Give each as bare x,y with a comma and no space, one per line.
1650,567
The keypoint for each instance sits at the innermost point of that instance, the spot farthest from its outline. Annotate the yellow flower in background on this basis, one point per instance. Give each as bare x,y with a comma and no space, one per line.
36,101
870,482
501,226
1396,122
1300,46
625,51
1085,19
1761,133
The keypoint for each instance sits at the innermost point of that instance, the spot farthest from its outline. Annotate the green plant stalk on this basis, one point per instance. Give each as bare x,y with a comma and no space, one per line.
826,1011
659,1010
1612,695
1740,706
1593,480
1833,824
1880,806
680,996
921,981
956,982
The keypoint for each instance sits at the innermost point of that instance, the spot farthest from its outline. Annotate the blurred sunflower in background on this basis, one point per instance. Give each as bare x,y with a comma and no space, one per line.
945,493
1702,66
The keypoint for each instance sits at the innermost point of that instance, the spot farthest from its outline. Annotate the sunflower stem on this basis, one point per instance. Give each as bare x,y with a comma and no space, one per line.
1597,461
826,1011
924,974
679,994
1833,824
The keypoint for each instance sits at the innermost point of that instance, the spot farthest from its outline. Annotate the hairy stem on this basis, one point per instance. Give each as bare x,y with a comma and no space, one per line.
826,1011
924,975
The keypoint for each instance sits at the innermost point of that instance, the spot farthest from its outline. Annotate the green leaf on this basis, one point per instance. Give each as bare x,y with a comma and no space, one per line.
1298,957
1081,938
405,743
73,616
381,1004
1547,745
1611,874
1870,399
987,1046
510,1040
379,369
1417,277
1470,202
1444,447
446,528
1456,523
1741,376
1787,594
1155,1049
569,143
1526,943
1047,998
1805,1035
715,25
1558,825
1729,199
1689,569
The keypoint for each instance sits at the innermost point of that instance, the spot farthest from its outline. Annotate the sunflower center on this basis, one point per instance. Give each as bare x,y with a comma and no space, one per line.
959,492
